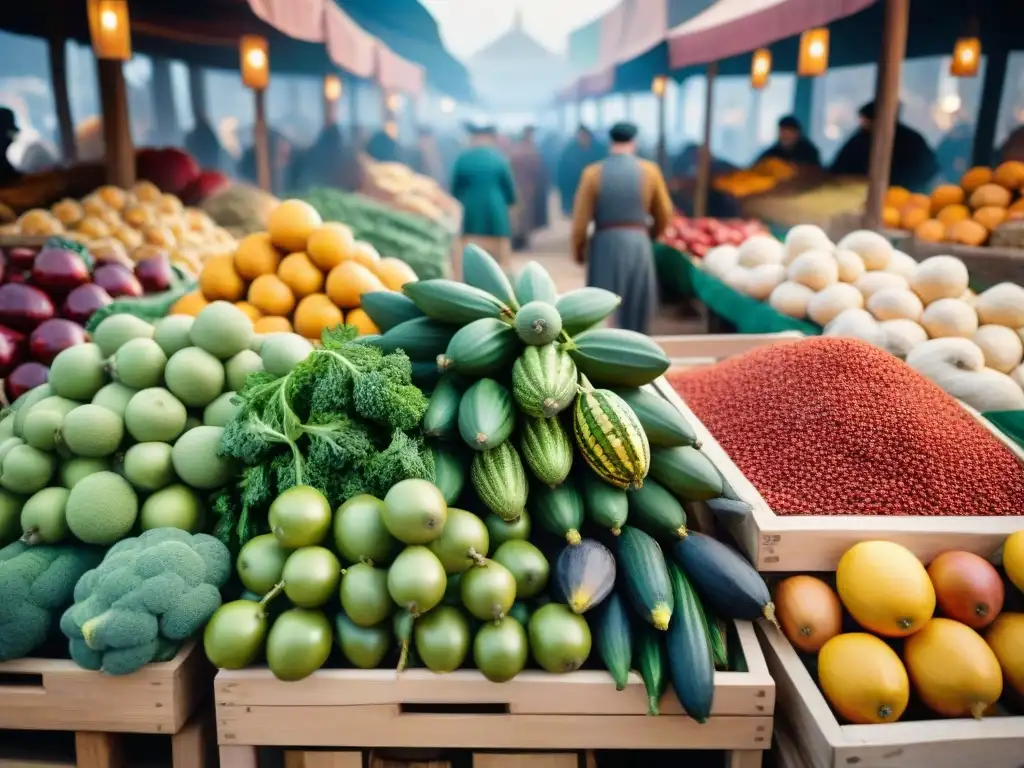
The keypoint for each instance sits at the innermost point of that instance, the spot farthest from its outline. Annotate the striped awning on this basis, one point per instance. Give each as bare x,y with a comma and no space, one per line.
397,74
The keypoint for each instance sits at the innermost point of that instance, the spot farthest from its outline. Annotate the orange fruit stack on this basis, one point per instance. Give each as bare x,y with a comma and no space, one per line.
302,274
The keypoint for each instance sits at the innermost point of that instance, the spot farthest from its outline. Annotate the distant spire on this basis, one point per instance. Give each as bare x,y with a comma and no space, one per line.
517,19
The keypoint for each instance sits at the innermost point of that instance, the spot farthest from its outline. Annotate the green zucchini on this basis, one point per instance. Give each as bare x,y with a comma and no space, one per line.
687,472
645,575
441,419
422,339
652,665
616,357
585,307
717,640
533,283
614,637
584,575
453,302
690,661
662,421
726,582
486,415
604,505
559,511
449,473
388,308
484,347
482,271
654,510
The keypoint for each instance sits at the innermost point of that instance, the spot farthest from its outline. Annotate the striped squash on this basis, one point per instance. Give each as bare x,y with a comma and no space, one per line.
610,437
546,449
543,381
500,481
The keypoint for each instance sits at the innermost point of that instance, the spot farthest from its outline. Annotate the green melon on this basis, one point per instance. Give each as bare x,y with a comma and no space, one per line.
155,416
197,460
172,333
139,364
78,372
538,323
118,329
92,431
194,376
222,329
102,509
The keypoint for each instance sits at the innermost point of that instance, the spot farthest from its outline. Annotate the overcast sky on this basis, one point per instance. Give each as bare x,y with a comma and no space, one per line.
469,25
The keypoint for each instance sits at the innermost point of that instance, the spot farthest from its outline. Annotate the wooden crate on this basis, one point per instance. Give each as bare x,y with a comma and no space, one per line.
692,351
816,542
58,695
995,742
462,710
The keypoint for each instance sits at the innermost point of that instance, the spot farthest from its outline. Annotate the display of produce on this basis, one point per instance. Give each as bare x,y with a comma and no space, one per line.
829,426
698,236
968,213
970,345
47,296
130,226
928,643
302,274
764,176
404,189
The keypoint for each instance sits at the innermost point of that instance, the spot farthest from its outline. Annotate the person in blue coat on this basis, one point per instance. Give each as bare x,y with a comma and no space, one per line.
483,184
577,155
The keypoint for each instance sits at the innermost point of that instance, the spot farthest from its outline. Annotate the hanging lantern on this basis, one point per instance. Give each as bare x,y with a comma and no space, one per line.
395,102
966,57
813,53
109,29
447,105
332,88
255,62
760,68
658,85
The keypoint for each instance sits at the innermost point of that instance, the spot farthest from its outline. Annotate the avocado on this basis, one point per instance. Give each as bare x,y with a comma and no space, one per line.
364,595
234,635
415,511
463,541
299,517
362,647
360,535
527,564
298,644
501,531
311,576
416,580
488,590
500,650
442,639
559,638
260,563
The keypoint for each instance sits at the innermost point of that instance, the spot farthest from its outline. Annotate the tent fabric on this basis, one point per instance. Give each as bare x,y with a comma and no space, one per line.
645,24
300,19
348,45
397,74
584,46
731,27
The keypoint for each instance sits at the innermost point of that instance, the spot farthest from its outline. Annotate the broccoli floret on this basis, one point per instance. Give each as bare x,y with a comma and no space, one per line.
148,594
36,583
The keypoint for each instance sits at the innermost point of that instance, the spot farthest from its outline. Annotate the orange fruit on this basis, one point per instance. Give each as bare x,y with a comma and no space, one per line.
890,216
291,224
953,213
975,177
365,254
349,281
930,231
90,226
270,295
361,321
256,256
271,324
394,273
218,280
330,245
189,304
314,313
912,216
250,311
919,200
945,195
113,196
1010,174
300,274
897,197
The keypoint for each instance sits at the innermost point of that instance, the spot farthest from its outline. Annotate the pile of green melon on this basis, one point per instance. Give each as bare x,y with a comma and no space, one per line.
125,435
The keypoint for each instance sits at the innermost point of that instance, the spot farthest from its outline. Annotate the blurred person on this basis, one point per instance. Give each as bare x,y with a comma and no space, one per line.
8,134
280,152
627,201
954,153
482,182
577,155
913,162
531,184
792,145
384,146
204,145
330,160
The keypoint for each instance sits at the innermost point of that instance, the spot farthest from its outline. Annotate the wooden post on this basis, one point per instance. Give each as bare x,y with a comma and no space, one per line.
662,141
700,193
59,81
261,142
991,95
887,102
117,137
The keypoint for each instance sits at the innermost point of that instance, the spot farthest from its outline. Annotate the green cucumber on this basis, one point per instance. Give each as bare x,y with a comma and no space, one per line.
585,307
662,421
422,339
687,472
547,449
484,347
453,302
616,357
645,575
614,638
559,511
482,271
652,508
603,504
726,581
500,481
388,309
533,283
441,419
652,665
486,415
449,473
690,660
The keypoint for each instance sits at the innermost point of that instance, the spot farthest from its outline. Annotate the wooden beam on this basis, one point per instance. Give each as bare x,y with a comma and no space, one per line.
700,194
59,81
117,136
887,102
261,142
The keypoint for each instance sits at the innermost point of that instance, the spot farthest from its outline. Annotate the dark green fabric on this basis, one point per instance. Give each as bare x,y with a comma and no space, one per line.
747,314
674,270
482,182
1010,423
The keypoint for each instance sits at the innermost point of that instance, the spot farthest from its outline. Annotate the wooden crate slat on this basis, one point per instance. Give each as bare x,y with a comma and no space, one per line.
719,345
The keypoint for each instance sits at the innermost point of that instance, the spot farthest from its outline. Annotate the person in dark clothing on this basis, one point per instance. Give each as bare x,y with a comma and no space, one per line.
913,162
204,145
384,147
328,161
8,133
954,152
791,145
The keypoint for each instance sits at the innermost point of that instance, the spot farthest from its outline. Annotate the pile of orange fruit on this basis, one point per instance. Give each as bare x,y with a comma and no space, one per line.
964,213
301,275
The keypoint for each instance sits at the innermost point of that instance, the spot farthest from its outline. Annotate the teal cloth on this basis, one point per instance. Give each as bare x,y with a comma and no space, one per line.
674,269
482,182
747,314
1010,423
